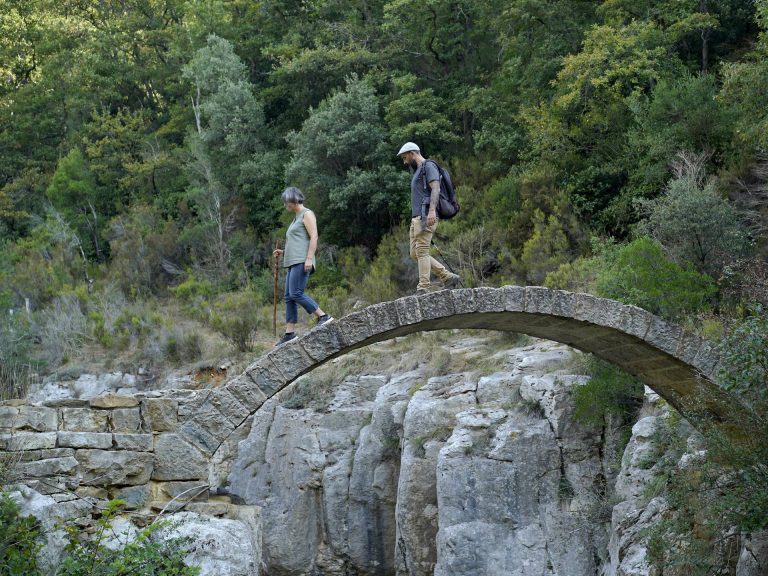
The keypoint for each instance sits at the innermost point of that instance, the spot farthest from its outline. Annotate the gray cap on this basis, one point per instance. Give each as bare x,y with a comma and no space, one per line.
408,147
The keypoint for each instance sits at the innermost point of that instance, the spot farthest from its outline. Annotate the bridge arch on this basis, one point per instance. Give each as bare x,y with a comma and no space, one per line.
679,366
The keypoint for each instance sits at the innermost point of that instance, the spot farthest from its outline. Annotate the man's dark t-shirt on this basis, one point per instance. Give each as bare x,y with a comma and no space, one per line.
420,196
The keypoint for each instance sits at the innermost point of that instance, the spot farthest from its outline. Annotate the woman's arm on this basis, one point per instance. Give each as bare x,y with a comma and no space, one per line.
310,223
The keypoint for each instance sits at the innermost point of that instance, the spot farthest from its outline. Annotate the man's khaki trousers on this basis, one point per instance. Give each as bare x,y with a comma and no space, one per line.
420,242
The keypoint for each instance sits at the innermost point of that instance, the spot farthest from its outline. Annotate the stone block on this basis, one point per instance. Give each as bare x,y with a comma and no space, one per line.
246,392
469,300
37,418
161,414
594,310
211,419
291,359
47,468
464,300
92,492
539,300
102,440
200,436
50,486
18,441
355,327
127,420
436,304
114,401
177,459
35,455
67,403
514,298
195,490
8,417
408,311
83,420
633,320
226,403
706,360
192,403
323,341
266,376
135,497
218,509
664,336
13,402
134,442
114,467
383,317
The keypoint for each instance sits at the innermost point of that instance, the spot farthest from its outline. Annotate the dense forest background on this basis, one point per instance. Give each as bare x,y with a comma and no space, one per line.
616,147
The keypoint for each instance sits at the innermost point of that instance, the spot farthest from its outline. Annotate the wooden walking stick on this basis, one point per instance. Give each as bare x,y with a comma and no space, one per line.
274,307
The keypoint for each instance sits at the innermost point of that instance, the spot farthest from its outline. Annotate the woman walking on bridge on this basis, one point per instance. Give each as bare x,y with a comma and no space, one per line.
299,259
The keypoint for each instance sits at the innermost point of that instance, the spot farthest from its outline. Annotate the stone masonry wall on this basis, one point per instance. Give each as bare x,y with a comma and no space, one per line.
107,447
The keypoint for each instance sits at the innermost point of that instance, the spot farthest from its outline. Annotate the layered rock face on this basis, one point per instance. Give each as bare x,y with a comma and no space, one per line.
416,475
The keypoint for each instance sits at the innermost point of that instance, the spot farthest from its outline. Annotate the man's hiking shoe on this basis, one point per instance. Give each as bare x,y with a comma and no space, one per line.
287,337
452,281
323,319
420,291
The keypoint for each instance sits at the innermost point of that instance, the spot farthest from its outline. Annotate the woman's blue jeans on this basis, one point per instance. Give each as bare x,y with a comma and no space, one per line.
295,283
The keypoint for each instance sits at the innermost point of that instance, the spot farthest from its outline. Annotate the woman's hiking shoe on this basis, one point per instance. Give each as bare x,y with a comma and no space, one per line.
452,281
287,337
323,319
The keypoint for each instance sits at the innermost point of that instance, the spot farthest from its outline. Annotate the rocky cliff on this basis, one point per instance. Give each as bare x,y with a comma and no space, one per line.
436,454
481,471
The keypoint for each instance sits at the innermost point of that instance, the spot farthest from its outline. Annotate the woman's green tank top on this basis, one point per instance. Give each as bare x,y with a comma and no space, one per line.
296,242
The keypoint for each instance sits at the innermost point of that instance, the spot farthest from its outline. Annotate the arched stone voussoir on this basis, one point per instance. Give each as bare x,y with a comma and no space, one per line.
680,366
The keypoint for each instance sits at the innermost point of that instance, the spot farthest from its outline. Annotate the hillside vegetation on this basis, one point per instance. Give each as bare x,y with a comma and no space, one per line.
616,147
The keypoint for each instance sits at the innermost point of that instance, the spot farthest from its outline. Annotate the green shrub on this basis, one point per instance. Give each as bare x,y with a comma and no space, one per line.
235,316
744,355
609,390
387,276
639,273
182,346
692,221
18,540
142,557
547,248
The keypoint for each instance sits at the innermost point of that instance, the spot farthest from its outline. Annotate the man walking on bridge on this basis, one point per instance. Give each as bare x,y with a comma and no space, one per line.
425,192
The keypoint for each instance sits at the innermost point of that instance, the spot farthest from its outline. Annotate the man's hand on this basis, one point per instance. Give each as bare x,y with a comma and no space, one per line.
431,217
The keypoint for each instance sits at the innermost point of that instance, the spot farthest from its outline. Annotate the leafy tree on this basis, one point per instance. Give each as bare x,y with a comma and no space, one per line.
679,114
228,165
639,273
343,159
744,87
745,357
74,192
692,221
145,251
546,249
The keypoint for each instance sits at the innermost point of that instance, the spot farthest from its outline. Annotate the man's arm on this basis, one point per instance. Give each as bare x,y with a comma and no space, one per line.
434,196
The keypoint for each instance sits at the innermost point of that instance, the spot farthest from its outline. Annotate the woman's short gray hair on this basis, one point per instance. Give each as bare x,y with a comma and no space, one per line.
293,194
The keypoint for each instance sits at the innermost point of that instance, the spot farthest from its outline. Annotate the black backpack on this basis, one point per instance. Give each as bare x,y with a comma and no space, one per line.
447,205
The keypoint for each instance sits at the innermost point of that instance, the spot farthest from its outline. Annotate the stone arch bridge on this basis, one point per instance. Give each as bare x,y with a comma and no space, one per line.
679,366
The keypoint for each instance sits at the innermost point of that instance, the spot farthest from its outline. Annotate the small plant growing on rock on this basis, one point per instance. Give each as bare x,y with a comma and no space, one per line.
18,540
143,556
